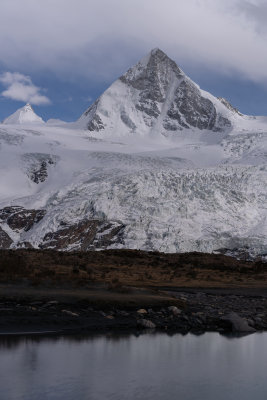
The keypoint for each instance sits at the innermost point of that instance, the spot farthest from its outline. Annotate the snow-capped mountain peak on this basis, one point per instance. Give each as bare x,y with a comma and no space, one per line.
155,97
24,115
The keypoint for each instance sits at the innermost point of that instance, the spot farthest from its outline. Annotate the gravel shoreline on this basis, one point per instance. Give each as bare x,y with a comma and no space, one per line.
220,310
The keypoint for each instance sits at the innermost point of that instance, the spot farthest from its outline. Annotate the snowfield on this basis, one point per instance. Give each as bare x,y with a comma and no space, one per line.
198,192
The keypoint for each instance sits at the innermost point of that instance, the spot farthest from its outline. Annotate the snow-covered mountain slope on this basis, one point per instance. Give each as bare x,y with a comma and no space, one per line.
201,192
154,98
55,122
197,189
24,115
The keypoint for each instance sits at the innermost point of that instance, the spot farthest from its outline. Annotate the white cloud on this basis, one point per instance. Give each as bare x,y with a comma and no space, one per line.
101,38
10,77
21,88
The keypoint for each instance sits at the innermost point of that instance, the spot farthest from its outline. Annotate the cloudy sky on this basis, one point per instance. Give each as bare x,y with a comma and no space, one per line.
59,55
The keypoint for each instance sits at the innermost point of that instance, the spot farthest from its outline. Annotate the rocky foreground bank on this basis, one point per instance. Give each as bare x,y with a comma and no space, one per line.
79,292
198,311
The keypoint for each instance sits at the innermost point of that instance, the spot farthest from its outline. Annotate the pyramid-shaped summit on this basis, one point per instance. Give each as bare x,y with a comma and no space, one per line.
155,97
24,115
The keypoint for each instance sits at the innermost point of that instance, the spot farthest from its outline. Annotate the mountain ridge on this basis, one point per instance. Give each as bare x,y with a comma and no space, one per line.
131,185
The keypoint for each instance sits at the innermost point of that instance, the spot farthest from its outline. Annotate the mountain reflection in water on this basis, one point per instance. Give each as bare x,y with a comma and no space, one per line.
150,366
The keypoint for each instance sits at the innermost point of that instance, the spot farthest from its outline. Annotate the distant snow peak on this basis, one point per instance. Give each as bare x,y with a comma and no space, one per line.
24,115
155,97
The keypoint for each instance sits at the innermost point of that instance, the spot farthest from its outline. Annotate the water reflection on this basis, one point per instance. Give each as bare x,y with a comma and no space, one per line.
13,341
152,366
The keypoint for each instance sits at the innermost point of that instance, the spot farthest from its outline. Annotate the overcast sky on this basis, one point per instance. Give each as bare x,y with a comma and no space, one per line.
61,54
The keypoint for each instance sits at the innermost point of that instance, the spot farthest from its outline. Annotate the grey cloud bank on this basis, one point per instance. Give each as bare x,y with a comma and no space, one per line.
99,38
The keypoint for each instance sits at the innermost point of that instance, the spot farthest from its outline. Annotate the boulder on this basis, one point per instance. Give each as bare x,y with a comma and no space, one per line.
70,313
146,323
141,311
238,323
174,310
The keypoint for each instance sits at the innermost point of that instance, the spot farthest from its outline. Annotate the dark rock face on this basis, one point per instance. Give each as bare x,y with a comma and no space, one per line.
85,235
5,240
152,82
18,218
40,174
189,108
95,122
37,164
154,79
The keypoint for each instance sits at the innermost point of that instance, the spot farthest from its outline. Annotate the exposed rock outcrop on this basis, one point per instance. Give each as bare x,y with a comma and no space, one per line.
36,165
5,240
18,218
84,235
88,234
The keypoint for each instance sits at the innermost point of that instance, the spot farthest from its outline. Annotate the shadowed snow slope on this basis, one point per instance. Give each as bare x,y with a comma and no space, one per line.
129,180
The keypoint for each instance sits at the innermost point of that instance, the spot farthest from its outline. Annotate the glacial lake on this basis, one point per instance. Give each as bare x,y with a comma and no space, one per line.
149,366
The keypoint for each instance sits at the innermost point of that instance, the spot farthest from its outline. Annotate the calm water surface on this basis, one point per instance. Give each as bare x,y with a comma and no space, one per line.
152,366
